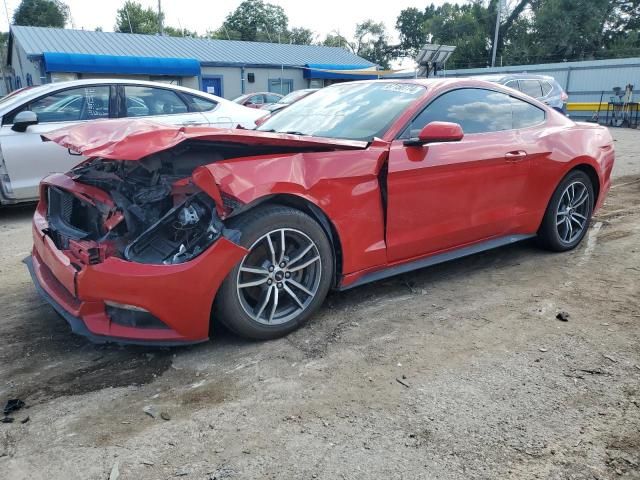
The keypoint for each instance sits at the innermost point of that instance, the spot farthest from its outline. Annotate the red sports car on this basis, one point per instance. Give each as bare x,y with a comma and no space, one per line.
164,228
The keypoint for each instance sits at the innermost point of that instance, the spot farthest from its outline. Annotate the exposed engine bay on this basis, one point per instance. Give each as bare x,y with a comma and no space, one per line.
158,215
152,220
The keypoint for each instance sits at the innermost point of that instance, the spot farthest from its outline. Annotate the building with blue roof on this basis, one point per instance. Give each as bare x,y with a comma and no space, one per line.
227,68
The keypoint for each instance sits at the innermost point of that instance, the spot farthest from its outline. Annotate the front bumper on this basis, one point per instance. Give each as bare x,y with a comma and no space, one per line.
180,296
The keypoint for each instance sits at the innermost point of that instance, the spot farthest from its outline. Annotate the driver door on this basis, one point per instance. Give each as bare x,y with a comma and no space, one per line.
28,159
449,194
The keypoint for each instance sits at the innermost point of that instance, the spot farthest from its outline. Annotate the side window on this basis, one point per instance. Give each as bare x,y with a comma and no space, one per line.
272,98
144,101
525,114
476,110
199,104
531,88
512,84
255,100
546,88
73,105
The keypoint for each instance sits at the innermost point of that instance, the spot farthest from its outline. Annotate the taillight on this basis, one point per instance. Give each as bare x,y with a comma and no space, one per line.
564,97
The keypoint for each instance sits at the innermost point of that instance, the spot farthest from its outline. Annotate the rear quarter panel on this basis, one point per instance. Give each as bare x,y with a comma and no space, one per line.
556,150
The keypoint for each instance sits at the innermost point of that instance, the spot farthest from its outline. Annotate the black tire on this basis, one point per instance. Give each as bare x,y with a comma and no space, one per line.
232,303
557,238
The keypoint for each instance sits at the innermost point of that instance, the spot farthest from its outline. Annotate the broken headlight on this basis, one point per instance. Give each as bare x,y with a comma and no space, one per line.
181,234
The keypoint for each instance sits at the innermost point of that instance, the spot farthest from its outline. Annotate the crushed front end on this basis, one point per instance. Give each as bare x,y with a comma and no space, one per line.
132,252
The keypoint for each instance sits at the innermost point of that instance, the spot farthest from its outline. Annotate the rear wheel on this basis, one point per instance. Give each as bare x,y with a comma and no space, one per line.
282,280
568,214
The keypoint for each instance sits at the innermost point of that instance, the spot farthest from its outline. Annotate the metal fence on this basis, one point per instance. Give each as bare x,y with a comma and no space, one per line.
583,81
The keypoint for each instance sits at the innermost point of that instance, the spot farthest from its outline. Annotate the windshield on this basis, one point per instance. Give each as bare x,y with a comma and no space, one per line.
293,96
353,111
17,95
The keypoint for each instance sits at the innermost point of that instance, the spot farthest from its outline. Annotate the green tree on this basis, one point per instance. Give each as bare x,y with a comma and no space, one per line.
41,13
179,32
132,17
469,27
335,40
300,36
372,43
411,26
466,26
570,29
255,20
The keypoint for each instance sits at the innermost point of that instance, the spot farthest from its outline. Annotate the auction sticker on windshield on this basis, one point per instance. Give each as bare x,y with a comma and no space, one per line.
402,88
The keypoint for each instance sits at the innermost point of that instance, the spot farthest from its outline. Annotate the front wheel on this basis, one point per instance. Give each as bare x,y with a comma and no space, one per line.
284,277
568,214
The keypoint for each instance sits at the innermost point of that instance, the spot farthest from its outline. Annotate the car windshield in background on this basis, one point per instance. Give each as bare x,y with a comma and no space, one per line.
17,95
292,97
354,111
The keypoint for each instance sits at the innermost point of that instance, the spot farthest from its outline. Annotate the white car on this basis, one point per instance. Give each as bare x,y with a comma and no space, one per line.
25,158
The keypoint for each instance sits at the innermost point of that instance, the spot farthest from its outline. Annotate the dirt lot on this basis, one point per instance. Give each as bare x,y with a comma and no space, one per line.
461,371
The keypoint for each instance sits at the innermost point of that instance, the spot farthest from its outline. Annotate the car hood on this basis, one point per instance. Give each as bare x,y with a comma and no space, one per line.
136,139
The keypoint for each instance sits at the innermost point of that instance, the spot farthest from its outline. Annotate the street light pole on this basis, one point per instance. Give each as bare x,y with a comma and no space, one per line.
495,35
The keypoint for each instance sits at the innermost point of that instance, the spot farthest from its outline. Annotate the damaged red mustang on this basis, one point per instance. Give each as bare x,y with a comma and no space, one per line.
164,229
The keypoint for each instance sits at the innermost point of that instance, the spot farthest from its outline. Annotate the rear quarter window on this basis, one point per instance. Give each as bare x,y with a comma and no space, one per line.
526,115
531,88
199,104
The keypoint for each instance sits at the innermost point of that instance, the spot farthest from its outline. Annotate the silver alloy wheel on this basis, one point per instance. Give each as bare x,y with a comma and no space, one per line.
572,213
279,277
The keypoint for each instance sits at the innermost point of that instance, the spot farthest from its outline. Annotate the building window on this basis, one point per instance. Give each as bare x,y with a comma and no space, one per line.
283,86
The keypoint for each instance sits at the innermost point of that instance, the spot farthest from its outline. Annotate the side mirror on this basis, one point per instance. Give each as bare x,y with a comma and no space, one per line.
437,132
23,120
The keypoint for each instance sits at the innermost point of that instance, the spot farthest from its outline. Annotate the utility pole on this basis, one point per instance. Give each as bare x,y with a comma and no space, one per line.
7,83
495,35
160,18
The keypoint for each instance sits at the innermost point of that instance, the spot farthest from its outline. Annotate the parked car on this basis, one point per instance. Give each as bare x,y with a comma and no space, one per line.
541,87
287,100
163,229
258,99
26,115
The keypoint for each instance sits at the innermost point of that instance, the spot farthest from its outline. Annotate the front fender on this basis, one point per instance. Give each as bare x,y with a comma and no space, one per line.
344,185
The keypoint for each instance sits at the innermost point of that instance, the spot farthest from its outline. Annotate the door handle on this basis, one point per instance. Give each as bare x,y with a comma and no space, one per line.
515,155
193,122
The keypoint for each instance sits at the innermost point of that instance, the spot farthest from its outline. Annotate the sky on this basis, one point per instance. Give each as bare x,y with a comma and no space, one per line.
322,16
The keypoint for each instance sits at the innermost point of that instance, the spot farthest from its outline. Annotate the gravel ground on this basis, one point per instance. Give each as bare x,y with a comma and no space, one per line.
459,371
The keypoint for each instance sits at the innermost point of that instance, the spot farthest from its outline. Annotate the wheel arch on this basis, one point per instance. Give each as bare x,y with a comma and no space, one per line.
318,214
583,164
592,173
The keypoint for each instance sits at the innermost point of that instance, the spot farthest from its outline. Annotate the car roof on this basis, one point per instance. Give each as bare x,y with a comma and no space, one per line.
513,76
429,82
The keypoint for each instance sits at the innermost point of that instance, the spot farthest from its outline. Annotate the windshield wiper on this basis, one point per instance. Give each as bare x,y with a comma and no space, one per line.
290,132
294,132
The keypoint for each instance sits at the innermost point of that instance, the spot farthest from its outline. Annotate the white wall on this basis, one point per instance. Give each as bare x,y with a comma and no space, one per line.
232,79
23,66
